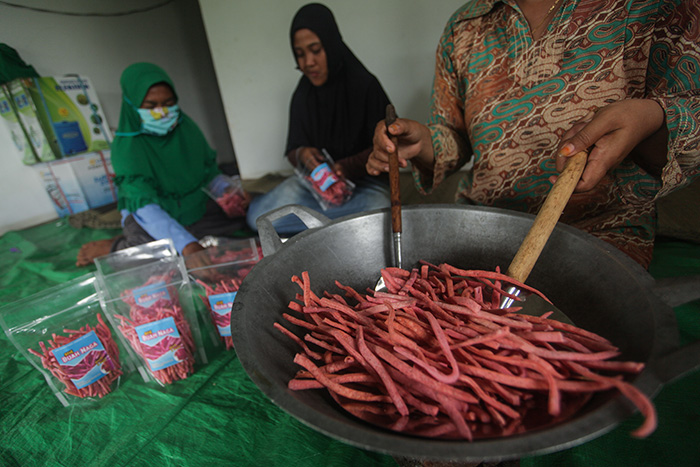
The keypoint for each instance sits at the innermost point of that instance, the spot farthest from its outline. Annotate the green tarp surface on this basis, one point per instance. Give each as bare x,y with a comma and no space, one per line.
219,417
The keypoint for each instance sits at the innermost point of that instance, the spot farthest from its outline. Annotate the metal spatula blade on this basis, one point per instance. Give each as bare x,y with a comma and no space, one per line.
533,305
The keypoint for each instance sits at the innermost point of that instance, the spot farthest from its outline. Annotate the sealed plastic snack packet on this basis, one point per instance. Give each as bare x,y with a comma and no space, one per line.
62,333
328,189
151,304
228,192
228,262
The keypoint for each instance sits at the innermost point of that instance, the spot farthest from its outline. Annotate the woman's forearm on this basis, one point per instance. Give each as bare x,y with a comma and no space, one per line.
353,167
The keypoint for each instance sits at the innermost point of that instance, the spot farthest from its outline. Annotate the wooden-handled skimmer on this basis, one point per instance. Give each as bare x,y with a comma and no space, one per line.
536,238
395,195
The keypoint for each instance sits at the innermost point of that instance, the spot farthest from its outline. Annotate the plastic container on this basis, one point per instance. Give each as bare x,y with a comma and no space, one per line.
229,261
61,332
228,193
327,188
147,295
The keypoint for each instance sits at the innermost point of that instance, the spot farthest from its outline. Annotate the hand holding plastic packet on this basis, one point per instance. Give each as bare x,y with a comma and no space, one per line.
327,187
61,332
229,194
229,261
146,294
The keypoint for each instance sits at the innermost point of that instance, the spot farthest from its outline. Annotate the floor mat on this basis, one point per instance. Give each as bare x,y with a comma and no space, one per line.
109,218
219,417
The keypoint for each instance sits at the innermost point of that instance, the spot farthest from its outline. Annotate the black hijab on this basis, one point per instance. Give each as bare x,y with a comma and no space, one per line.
340,115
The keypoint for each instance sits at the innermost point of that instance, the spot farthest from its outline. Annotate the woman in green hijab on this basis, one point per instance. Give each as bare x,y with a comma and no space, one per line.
161,163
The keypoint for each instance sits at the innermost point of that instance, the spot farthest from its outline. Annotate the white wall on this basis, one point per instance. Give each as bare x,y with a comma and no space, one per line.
100,47
242,99
249,42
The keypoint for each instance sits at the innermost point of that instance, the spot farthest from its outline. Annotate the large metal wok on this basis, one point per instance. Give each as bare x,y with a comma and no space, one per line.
597,286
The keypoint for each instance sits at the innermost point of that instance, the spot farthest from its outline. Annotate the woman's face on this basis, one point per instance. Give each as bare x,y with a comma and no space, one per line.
159,95
311,56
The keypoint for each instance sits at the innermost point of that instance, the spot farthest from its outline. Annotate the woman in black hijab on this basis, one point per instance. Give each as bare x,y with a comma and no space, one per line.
335,107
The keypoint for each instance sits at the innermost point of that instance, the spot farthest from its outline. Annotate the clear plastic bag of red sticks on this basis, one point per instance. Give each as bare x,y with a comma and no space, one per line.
327,187
61,331
228,262
147,296
228,193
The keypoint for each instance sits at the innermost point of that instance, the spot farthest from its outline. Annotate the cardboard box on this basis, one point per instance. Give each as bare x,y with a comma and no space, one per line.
27,114
96,178
79,183
62,187
70,114
10,118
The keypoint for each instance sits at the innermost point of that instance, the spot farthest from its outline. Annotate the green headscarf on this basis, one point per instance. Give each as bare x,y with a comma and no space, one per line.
166,170
12,66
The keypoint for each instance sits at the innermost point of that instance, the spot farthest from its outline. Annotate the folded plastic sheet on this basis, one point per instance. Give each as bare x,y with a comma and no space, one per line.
219,417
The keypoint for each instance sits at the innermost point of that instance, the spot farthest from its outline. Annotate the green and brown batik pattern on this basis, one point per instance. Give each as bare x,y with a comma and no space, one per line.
507,101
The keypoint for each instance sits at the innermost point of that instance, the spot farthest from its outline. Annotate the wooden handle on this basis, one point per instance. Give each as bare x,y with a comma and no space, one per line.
394,173
547,218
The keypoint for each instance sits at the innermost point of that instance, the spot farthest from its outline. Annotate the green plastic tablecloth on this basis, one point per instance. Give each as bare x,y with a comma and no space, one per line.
219,417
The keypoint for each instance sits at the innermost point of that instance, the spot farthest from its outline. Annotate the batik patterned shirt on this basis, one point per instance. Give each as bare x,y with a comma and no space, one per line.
502,102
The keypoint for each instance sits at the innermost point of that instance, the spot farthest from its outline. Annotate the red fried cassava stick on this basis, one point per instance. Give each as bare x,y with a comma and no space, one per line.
441,344
227,285
162,308
99,388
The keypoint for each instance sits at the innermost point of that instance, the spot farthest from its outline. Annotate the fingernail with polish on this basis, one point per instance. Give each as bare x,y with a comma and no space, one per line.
567,149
